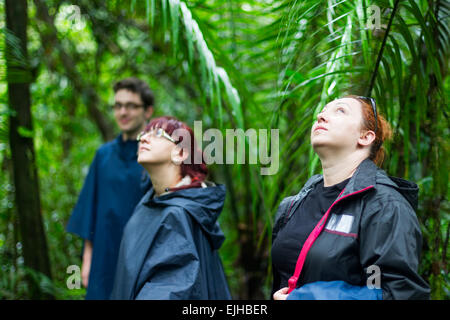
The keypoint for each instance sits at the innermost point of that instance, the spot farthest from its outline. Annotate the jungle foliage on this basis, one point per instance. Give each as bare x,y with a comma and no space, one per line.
231,64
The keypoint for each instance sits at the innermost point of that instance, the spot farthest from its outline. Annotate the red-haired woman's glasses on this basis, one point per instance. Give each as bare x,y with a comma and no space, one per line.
159,133
374,108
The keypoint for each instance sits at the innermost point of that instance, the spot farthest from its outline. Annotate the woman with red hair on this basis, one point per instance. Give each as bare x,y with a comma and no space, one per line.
169,248
351,232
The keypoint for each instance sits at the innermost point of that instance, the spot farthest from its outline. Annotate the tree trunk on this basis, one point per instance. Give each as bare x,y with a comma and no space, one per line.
50,41
27,198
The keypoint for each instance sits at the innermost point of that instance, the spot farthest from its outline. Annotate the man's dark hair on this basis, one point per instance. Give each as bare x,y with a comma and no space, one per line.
137,86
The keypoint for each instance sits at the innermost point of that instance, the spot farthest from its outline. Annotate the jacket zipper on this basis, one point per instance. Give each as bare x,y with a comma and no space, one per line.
313,237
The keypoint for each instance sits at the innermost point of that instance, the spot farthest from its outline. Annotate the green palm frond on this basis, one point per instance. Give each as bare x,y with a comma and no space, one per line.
187,37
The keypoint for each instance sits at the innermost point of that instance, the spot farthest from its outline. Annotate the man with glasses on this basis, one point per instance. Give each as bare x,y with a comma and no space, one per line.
113,187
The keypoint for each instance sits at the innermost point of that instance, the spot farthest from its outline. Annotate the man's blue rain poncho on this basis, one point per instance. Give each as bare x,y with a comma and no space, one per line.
114,185
169,248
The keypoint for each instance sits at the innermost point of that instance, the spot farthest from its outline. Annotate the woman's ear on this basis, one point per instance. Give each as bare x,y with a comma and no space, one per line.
366,138
179,155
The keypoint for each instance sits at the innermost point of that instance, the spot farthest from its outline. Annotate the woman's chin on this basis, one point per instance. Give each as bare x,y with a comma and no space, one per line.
149,161
316,142
143,160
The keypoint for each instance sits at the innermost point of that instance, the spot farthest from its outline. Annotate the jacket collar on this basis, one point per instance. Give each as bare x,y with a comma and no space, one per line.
127,150
368,176
364,176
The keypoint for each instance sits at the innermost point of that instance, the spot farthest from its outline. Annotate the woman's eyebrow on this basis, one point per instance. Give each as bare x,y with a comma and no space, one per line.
343,104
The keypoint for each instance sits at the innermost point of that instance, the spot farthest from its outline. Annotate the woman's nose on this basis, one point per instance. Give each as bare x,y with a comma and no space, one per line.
145,137
321,117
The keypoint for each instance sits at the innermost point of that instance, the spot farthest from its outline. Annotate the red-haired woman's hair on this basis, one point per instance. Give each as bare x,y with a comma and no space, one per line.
197,171
383,129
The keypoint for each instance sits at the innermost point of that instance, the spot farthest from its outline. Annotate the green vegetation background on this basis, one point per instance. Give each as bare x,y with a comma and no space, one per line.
232,64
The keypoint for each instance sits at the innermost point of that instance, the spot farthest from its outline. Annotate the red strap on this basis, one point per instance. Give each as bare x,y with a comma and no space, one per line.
306,246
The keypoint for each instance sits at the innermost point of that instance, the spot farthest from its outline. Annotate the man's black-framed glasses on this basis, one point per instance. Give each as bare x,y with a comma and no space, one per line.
374,108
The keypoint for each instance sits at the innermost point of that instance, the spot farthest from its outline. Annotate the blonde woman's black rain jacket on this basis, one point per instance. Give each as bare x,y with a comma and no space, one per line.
384,233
